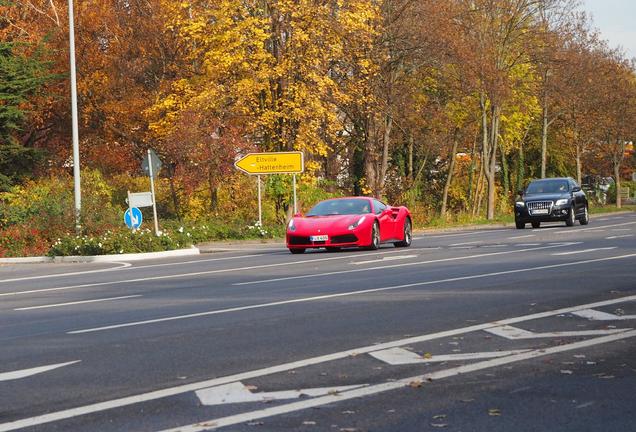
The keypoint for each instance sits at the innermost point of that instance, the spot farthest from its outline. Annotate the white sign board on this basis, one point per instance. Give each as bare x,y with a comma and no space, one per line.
140,199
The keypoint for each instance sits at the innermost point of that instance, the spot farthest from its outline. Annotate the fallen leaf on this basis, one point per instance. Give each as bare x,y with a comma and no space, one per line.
427,355
348,412
494,412
251,387
415,384
255,423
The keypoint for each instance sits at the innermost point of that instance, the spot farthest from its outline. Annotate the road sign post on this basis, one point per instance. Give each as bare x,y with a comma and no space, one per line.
133,218
272,163
152,164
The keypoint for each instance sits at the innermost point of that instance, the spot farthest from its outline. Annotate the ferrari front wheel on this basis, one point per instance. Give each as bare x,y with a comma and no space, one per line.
297,251
408,235
375,237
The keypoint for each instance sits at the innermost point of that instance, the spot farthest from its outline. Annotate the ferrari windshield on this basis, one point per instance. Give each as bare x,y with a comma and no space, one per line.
341,207
547,186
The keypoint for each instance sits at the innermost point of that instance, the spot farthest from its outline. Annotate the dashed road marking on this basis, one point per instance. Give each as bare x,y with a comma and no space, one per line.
10,376
595,315
76,303
583,251
513,333
401,356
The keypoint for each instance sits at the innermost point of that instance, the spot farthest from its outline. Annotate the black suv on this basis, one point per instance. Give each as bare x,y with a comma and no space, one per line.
549,200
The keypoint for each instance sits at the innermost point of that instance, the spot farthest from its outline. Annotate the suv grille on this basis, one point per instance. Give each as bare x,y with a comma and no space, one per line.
540,205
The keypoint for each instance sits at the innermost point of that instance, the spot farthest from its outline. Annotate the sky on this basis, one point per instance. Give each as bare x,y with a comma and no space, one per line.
616,19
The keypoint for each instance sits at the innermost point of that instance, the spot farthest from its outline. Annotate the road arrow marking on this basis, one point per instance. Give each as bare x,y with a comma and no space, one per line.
388,258
510,332
236,392
401,356
9,376
592,314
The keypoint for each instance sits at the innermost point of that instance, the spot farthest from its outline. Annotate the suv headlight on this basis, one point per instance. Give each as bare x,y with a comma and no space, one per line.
562,202
291,225
356,223
520,204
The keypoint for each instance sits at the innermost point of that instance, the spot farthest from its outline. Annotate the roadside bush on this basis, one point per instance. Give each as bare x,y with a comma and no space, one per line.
17,241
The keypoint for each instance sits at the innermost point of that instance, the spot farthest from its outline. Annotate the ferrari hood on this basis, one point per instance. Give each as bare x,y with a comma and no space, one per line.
325,223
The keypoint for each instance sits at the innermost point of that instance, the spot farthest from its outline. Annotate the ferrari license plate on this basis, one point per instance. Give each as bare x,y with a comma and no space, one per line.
319,238
540,212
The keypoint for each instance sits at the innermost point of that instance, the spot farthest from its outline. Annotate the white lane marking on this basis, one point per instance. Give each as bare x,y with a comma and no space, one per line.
544,229
604,219
465,243
621,229
201,273
418,238
619,236
172,391
345,294
385,259
583,251
595,315
598,228
462,247
514,333
495,246
236,392
529,244
520,237
339,272
466,233
48,276
76,303
9,376
400,356
395,385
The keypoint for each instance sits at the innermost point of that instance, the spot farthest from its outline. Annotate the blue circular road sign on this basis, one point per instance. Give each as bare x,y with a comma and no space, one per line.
133,218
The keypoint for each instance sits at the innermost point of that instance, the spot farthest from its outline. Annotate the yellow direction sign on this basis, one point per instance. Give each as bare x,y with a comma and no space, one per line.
271,163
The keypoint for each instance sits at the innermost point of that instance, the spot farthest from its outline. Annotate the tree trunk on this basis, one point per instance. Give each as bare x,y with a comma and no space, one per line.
544,136
449,176
521,168
617,175
492,180
409,171
578,162
384,164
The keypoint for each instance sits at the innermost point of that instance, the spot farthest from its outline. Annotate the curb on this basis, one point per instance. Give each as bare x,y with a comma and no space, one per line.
102,258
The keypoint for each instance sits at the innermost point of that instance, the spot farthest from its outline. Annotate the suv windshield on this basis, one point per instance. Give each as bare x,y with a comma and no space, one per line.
547,186
340,207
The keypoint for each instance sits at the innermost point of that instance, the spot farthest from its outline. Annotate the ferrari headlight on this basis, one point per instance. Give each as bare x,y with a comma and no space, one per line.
561,202
520,204
356,223
291,225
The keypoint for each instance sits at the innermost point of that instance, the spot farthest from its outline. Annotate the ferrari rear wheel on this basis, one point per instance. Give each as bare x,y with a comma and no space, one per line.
297,251
408,235
375,237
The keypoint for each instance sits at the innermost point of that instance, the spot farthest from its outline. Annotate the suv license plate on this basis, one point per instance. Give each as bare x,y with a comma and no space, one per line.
319,238
540,212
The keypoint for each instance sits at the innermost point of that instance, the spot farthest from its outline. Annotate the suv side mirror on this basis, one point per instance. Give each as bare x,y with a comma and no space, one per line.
576,189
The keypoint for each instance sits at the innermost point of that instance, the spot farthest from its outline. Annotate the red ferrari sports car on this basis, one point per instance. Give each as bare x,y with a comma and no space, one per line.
350,222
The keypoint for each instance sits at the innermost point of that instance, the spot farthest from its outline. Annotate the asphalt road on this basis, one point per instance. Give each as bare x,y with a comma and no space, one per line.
477,330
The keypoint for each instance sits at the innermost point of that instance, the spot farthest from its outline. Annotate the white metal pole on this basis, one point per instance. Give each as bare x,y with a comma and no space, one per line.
295,206
130,212
152,191
260,206
74,121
